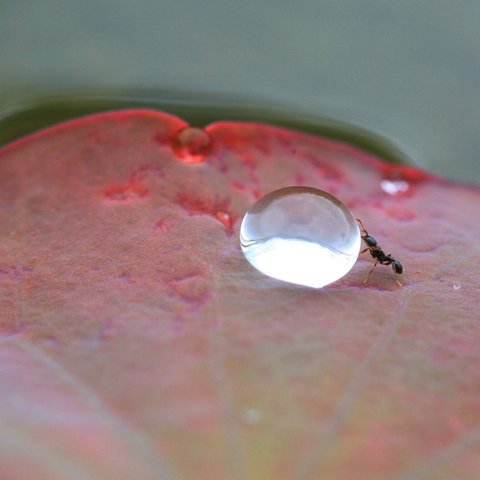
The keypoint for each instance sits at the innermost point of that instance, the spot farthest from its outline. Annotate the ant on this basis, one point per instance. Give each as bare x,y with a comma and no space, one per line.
379,255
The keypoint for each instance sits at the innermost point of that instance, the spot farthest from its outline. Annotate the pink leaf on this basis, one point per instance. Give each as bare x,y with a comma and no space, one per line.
138,343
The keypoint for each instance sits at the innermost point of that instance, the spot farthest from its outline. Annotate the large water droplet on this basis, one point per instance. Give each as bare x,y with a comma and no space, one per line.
301,235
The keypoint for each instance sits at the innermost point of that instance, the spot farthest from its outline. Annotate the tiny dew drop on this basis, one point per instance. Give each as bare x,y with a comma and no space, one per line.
225,218
251,416
301,235
456,285
394,187
191,144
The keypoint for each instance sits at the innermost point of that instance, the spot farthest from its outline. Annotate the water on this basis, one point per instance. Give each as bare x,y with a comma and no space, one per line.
192,144
301,235
394,187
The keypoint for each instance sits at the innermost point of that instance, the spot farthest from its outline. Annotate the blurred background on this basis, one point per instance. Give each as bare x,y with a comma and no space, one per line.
407,71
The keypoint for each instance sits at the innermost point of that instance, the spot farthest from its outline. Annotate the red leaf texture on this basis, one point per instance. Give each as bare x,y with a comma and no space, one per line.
138,343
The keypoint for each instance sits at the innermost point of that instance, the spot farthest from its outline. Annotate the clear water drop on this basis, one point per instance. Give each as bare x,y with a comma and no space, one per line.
301,235
456,285
394,187
191,144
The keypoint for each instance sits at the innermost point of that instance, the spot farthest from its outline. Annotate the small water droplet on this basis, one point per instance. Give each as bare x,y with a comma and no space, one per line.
394,187
456,285
251,416
301,235
225,218
191,144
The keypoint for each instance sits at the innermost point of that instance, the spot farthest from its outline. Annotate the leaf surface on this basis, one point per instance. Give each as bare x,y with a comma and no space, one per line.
137,341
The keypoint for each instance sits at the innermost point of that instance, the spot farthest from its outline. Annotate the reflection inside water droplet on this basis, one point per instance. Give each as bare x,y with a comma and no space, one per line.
301,235
456,285
394,187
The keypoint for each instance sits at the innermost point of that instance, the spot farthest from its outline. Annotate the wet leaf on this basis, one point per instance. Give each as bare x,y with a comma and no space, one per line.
137,342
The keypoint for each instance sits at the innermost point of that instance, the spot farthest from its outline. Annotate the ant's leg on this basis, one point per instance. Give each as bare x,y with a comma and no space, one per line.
370,272
400,284
364,250
361,225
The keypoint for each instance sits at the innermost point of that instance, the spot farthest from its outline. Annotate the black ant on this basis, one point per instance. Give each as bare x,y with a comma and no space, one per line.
379,255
